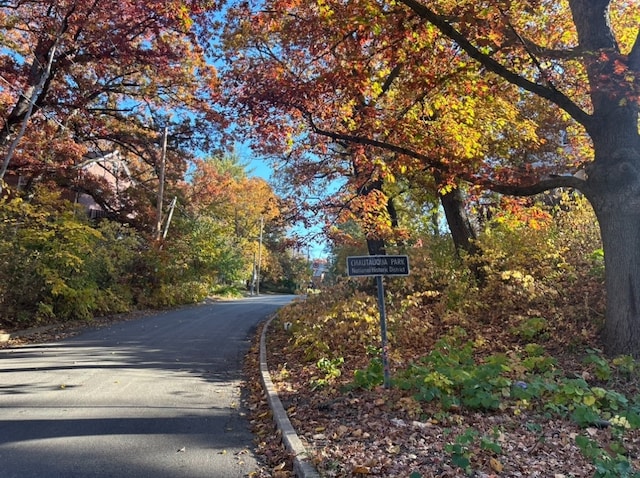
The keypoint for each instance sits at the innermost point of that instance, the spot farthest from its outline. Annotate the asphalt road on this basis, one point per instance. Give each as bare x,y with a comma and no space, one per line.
154,397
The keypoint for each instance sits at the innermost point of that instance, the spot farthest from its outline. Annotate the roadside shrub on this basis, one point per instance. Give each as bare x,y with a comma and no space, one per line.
44,248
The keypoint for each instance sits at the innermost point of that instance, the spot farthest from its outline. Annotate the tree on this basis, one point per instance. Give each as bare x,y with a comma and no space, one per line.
469,87
98,77
605,84
348,78
234,207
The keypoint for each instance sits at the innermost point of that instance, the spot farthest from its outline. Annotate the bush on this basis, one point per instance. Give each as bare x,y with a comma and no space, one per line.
44,248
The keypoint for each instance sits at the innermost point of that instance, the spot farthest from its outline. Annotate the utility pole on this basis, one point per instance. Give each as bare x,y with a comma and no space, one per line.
163,159
259,256
171,208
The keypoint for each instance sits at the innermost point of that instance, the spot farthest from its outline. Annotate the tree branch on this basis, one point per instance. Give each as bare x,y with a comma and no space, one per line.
547,92
538,50
390,79
362,140
546,184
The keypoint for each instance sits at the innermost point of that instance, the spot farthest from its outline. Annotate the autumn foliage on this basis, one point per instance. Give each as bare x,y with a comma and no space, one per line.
478,374
82,81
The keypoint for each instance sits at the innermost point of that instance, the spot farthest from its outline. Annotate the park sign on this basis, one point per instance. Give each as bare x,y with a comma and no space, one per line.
378,266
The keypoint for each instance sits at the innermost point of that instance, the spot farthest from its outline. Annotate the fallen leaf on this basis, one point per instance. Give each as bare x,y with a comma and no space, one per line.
399,422
496,465
361,470
418,424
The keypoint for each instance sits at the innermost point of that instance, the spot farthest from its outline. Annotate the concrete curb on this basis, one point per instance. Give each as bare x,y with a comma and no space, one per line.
301,466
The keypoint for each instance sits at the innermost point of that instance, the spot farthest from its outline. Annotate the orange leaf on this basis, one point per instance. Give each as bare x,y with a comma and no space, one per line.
361,470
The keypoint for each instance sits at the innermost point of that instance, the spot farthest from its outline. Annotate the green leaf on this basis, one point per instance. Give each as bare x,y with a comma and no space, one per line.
461,461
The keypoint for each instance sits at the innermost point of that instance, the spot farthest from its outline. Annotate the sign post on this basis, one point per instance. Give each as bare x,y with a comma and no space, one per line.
377,266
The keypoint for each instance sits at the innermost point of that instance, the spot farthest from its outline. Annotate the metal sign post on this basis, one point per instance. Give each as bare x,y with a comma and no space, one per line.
383,332
377,266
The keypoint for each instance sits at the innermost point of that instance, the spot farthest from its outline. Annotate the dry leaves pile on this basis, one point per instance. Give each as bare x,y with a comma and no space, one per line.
386,433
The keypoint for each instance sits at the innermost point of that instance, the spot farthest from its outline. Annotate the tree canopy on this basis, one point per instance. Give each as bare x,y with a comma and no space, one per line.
114,105
516,97
366,108
97,77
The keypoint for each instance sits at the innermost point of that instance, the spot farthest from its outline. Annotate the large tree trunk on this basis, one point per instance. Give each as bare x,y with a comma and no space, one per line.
462,232
461,229
615,197
611,121
614,178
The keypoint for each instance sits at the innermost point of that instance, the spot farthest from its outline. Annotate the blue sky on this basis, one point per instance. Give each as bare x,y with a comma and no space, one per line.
261,168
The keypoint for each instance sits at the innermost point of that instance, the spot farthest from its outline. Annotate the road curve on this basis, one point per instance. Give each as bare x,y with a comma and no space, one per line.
150,398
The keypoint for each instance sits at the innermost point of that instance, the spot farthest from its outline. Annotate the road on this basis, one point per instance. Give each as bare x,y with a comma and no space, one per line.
153,397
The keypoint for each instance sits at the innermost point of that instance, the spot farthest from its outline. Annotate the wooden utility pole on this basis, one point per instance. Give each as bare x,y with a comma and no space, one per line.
259,256
163,159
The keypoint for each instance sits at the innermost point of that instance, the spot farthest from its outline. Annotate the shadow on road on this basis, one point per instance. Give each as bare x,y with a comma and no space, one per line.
156,396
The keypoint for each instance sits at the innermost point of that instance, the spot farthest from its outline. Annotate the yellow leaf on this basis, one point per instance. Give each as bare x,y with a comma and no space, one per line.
394,449
589,400
496,465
